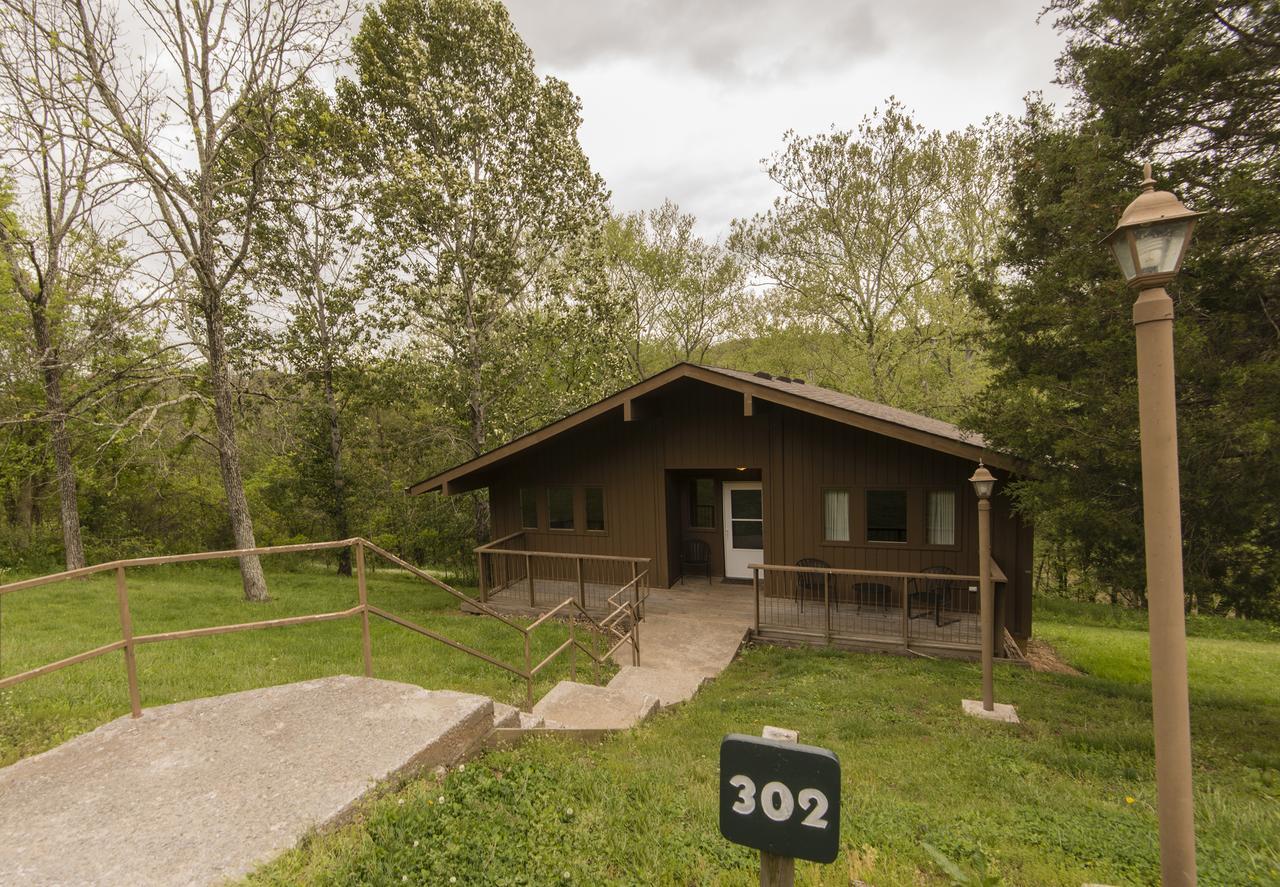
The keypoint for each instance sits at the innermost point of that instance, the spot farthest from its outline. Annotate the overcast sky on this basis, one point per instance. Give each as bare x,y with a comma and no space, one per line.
683,98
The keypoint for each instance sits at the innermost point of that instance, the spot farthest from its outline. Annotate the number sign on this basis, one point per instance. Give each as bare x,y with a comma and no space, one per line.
780,797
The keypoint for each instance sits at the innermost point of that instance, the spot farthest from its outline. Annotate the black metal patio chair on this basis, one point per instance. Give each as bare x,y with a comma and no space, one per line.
933,593
809,585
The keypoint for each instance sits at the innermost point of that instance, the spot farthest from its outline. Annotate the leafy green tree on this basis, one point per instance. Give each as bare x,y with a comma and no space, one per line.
681,292
1192,85
485,217
215,79
305,263
864,250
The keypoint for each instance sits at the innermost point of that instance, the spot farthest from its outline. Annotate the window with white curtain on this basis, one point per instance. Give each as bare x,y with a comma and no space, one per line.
835,507
942,517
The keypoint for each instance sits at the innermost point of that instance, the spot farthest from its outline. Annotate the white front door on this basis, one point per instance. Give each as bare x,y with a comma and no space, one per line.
743,527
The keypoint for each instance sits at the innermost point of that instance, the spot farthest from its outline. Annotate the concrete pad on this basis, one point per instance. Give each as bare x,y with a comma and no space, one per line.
583,706
206,790
669,685
1006,714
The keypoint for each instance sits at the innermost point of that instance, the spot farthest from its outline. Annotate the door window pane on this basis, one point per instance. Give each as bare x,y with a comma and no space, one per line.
528,509
942,517
835,509
702,503
886,515
595,508
748,534
560,508
746,504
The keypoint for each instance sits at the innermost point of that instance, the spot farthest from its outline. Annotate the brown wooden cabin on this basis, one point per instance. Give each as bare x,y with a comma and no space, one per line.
765,471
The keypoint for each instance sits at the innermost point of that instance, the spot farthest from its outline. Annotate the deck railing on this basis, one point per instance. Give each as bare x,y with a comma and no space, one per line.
920,612
507,567
618,627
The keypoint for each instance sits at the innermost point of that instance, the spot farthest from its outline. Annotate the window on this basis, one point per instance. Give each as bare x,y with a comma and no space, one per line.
746,519
835,511
560,508
941,524
595,509
702,503
886,515
529,508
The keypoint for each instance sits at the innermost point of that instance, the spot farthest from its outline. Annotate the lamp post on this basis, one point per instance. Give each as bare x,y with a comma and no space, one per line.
983,484
1149,244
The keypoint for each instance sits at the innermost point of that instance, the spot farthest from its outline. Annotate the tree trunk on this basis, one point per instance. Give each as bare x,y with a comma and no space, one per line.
251,576
340,523
59,440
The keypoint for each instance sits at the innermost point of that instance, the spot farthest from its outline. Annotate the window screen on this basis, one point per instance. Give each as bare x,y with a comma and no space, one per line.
560,508
595,508
528,509
886,515
835,511
942,517
702,503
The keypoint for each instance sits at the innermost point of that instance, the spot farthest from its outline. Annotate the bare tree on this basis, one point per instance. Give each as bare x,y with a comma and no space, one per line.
195,121
57,240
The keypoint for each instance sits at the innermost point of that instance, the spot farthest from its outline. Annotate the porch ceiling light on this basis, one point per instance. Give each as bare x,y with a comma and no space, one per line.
1152,236
983,482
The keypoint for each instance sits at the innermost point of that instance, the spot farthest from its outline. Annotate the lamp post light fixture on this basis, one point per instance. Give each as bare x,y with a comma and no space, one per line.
1149,244
984,484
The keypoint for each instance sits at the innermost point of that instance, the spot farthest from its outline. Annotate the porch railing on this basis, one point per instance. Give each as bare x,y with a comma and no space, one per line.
920,612
507,568
618,627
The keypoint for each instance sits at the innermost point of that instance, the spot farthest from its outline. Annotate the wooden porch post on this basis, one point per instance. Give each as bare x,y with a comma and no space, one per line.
480,577
528,569
755,588
582,588
826,597
906,622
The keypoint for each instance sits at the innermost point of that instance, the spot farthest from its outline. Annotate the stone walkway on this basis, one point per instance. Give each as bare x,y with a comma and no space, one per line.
202,791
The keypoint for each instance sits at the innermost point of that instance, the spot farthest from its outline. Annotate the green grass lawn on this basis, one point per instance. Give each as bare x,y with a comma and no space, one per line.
44,624
1065,798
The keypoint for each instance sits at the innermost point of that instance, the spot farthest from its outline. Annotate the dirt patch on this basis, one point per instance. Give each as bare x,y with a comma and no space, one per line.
1042,657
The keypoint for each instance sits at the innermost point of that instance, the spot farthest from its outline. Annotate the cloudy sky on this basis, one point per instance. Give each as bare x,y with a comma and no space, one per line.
683,98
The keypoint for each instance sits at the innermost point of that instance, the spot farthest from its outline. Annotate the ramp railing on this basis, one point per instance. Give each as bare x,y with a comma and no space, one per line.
619,626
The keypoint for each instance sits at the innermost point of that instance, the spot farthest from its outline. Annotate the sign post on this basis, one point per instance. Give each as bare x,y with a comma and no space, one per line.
782,798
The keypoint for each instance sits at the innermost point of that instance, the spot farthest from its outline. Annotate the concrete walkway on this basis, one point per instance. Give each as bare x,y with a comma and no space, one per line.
202,791
689,635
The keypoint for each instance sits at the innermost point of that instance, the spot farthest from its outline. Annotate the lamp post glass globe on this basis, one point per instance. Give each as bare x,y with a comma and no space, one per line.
983,482
1152,236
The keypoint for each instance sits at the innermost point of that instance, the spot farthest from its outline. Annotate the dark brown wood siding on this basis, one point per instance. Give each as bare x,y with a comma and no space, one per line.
691,428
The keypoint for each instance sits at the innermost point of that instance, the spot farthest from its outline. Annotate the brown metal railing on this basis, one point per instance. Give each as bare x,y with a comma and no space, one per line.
829,605
511,572
614,627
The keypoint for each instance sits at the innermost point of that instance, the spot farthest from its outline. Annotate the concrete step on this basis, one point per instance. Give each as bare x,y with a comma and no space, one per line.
586,707
505,716
670,685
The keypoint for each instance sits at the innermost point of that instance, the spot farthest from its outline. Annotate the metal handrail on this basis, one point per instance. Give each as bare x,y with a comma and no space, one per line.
363,609
845,571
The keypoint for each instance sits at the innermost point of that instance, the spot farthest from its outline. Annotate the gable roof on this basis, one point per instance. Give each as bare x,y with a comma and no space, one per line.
845,408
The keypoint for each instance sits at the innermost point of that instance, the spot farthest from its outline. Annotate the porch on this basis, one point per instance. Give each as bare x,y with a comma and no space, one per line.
933,613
